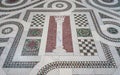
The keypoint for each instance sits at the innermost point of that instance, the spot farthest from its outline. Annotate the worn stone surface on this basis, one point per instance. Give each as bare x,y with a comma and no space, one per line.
56,37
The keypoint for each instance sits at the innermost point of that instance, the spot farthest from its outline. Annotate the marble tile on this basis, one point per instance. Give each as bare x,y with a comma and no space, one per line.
59,37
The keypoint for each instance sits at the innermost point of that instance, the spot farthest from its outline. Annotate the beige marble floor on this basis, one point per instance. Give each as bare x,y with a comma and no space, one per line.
59,37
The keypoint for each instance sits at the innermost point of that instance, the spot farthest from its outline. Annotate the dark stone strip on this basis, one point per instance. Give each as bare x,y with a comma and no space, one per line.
4,40
1,50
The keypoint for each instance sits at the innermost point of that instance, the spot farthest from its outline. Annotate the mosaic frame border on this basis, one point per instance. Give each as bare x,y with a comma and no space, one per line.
10,64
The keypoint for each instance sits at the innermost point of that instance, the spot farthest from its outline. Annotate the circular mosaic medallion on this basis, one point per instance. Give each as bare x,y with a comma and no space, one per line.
7,30
112,30
12,4
59,5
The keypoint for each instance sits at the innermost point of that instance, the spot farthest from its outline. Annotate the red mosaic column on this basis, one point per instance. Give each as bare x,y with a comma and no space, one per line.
67,37
52,31
51,38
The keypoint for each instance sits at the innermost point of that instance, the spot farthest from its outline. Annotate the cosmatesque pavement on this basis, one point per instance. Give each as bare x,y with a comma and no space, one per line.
59,37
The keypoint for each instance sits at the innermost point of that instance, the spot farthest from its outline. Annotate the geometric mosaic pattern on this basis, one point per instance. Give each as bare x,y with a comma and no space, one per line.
112,30
7,30
83,32
59,37
87,47
35,32
31,47
81,20
38,20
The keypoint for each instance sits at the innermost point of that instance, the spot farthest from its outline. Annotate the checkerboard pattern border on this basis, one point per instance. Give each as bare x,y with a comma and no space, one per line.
38,20
81,20
87,47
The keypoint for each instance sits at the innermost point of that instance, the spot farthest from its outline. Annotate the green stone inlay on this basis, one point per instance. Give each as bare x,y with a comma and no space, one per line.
35,32
83,32
112,30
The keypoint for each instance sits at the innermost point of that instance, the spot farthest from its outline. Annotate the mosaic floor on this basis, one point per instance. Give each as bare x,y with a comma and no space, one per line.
59,37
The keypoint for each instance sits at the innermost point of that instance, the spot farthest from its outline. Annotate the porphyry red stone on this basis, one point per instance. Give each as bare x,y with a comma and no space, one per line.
52,31
67,37
51,38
